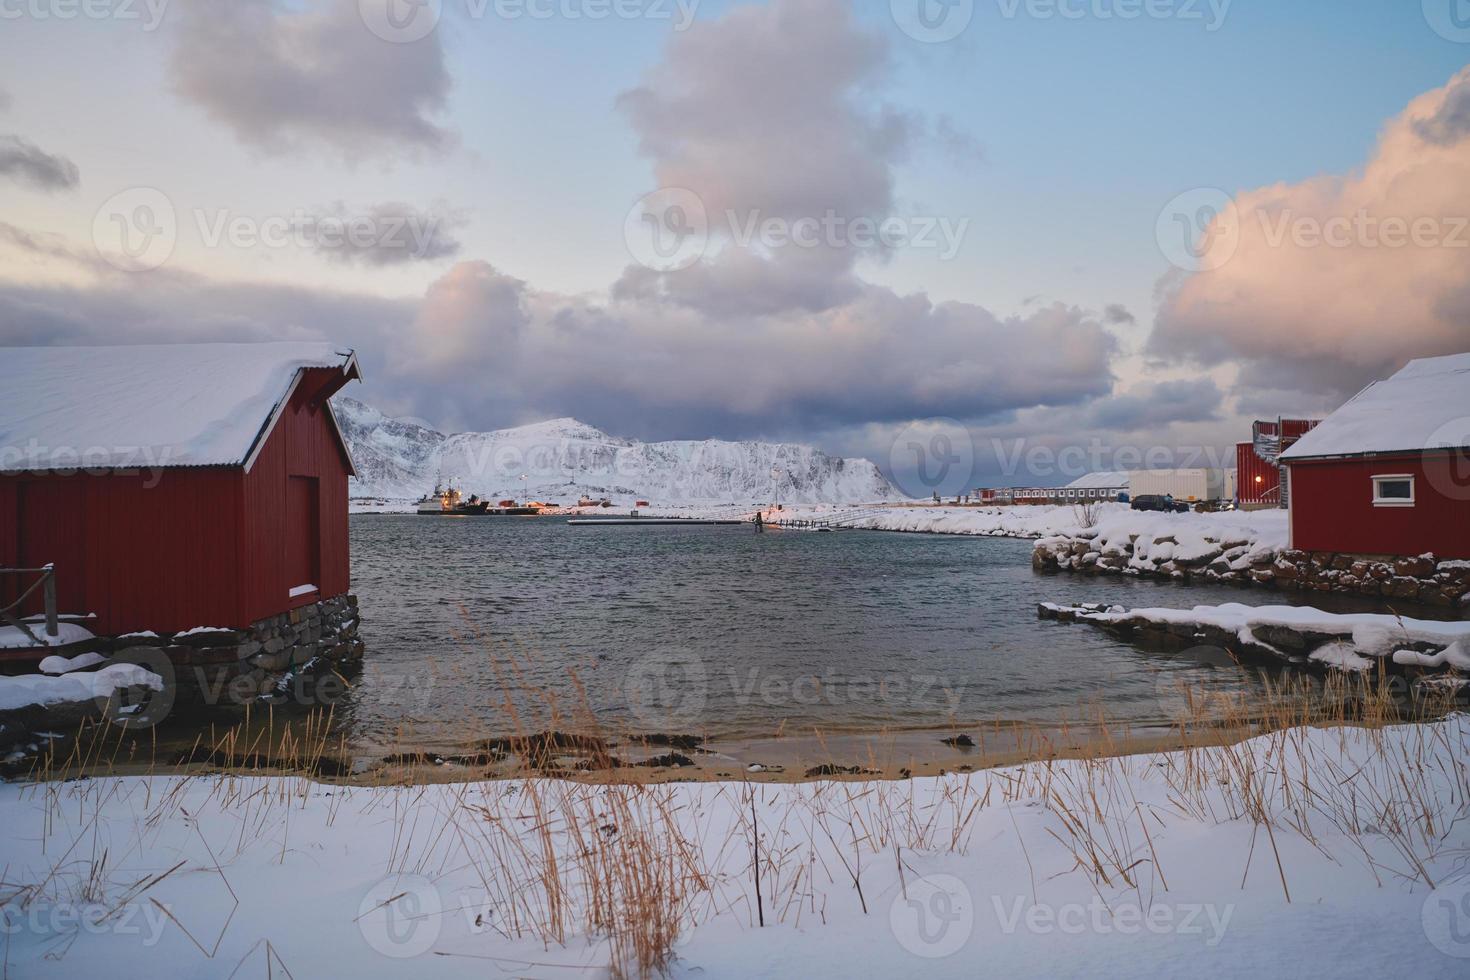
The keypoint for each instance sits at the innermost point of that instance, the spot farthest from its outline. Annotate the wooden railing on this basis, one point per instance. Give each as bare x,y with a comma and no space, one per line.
46,582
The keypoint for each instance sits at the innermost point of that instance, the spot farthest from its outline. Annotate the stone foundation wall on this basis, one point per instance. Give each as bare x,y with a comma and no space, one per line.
297,658
1422,579
229,667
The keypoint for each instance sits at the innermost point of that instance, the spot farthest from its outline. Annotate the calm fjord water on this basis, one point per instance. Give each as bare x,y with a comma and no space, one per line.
725,632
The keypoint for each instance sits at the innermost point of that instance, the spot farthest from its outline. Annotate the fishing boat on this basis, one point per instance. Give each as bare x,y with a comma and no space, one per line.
449,502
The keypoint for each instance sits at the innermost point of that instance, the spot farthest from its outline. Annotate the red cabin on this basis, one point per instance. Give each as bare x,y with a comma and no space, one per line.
179,486
1389,472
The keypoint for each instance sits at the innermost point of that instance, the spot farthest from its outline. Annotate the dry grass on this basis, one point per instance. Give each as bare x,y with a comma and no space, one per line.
635,867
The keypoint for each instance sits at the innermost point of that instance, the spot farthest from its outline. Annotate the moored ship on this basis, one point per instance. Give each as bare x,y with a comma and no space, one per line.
449,502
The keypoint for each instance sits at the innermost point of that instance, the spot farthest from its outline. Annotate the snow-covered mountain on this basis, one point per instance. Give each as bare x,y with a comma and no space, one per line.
564,459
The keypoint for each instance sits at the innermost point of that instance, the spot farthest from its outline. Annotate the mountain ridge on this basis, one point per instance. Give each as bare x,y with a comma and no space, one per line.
562,459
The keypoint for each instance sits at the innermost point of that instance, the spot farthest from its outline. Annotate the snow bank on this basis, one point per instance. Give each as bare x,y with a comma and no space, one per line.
1007,522
38,689
953,876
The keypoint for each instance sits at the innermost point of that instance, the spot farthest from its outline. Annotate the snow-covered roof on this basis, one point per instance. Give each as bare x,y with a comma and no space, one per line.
1105,480
147,406
1424,406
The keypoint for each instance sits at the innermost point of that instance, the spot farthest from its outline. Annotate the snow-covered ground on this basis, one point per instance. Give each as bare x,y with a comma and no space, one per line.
1312,852
1114,521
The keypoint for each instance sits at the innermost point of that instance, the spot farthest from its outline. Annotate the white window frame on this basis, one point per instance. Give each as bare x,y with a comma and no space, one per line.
1381,501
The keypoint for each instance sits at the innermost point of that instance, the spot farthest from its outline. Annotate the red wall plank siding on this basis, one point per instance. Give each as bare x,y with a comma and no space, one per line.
1332,508
140,551
303,444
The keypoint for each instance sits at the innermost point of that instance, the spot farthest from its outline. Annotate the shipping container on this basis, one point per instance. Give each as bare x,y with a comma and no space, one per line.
1190,485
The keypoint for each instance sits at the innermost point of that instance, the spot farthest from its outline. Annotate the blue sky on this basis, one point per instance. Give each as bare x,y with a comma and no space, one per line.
1058,140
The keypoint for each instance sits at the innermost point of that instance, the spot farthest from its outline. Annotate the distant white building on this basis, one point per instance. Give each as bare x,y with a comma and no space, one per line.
1104,485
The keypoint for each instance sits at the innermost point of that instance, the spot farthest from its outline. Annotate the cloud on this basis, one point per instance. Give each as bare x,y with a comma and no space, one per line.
26,163
282,77
768,109
5,100
1154,404
1338,280
758,110
384,235
494,345
1117,314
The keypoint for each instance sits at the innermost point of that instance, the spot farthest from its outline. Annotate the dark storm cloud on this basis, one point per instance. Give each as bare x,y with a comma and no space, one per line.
26,163
1117,314
282,77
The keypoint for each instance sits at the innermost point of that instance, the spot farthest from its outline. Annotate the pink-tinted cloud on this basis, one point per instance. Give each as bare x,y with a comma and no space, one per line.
1326,284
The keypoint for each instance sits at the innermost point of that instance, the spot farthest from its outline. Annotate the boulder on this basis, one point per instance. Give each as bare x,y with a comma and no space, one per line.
1421,567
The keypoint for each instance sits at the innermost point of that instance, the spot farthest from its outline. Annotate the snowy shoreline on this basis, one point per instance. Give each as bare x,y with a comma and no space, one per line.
1297,850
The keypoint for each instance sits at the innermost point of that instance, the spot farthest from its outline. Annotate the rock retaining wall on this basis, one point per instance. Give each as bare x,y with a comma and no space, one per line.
1420,579
209,667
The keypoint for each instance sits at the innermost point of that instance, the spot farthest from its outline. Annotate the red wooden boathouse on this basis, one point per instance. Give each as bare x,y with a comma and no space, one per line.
176,486
1389,472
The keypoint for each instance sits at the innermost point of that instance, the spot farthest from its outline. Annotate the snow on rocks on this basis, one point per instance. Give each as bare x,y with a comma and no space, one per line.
57,665
1232,546
45,691
1295,634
